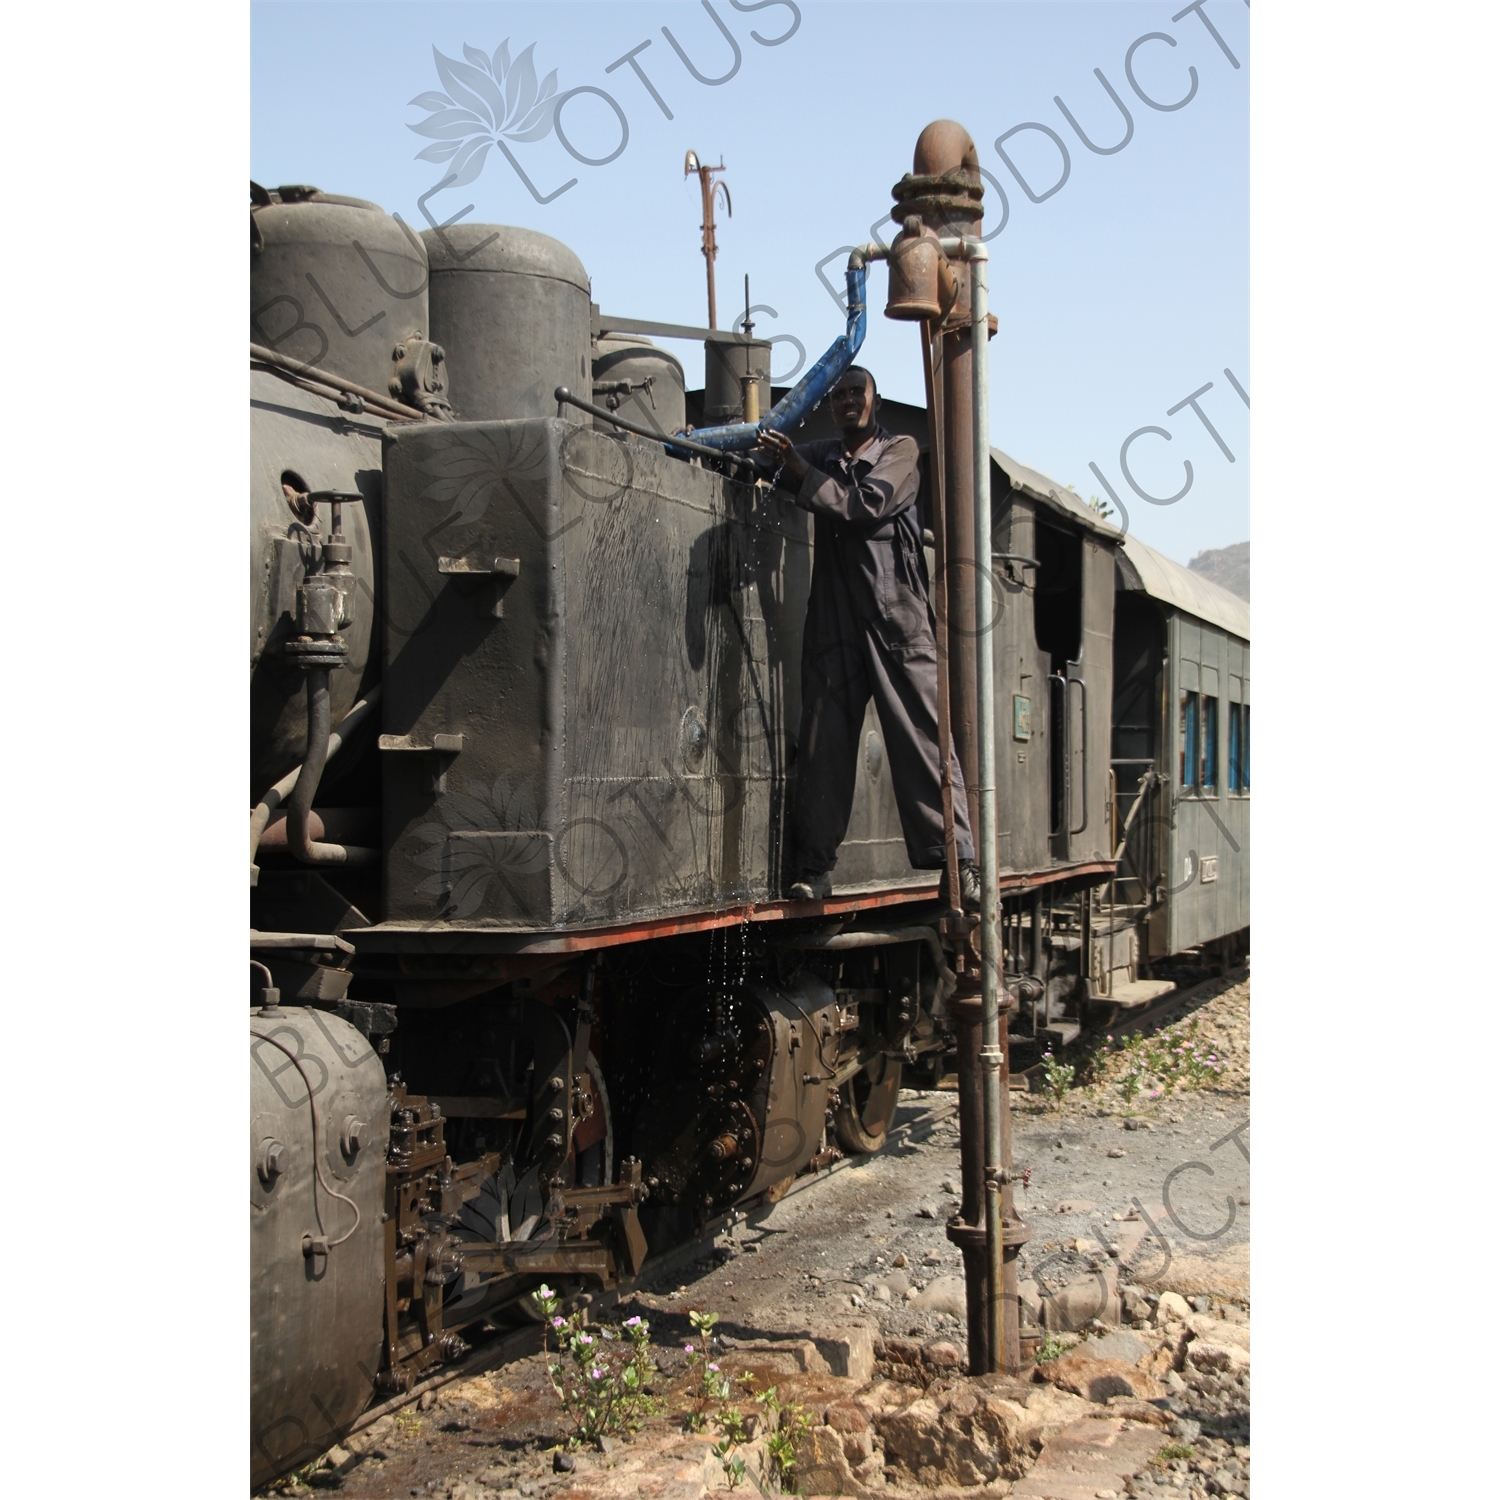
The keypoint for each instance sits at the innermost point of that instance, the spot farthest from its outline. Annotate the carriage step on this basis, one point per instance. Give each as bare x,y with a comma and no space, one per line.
1060,1033
1139,992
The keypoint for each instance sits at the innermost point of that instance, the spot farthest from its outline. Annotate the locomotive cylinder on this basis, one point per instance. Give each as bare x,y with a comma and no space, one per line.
317,1276
511,309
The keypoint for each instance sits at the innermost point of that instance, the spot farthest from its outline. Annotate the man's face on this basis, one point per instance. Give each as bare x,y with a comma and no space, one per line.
853,403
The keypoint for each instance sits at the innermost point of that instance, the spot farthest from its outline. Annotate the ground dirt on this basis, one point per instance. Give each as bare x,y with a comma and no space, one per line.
1139,1212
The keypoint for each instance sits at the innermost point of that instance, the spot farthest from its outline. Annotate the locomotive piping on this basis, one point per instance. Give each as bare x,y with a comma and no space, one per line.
386,406
882,938
995,1043
818,381
564,397
266,808
319,738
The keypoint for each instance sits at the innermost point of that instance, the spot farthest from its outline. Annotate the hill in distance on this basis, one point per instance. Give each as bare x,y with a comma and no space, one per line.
1229,567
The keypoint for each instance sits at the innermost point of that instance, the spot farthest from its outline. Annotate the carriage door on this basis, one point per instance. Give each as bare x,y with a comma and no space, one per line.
1058,615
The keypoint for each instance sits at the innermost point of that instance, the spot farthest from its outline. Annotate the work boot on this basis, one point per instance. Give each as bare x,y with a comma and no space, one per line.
812,887
970,889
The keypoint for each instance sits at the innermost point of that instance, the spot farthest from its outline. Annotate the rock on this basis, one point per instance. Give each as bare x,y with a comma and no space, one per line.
848,1351
898,1283
1134,1410
1174,1382
1219,1331
1031,1301
855,1300
900,1351
1200,1304
949,1186
1099,1379
941,1355
823,1466
847,1417
1078,1303
932,1257
1117,1345
1132,1124
899,1260
1203,1355
1074,1206
607,1445
945,1294
1186,1429
1114,1151
927,1211
973,1432
882,1292
1134,1304
563,1463
789,1356
882,1397
1171,1306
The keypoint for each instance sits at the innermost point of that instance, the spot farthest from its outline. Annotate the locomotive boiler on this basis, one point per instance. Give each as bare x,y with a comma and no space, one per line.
526,1002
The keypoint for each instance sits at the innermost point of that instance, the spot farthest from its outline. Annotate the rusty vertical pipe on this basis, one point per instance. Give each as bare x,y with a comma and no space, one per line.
996,1032
939,512
967,1230
958,414
944,190
1015,1232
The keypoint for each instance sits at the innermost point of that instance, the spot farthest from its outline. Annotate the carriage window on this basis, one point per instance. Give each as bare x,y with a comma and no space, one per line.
1245,754
1187,730
1209,780
1236,749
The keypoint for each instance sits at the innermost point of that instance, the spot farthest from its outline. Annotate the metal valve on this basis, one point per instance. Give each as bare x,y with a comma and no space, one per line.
273,1161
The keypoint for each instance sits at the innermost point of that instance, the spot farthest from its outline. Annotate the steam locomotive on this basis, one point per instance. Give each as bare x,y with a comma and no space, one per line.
526,1001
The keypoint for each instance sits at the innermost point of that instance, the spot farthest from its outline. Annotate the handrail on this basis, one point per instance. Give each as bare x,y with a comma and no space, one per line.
1082,684
564,397
1054,679
1147,785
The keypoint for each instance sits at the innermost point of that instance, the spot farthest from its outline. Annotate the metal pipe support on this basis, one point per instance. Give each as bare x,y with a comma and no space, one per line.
265,809
319,737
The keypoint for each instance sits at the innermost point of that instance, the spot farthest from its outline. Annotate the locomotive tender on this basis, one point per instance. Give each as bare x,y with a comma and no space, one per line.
525,687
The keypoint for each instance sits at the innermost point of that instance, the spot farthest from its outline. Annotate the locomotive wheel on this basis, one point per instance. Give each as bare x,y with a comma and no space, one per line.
867,1105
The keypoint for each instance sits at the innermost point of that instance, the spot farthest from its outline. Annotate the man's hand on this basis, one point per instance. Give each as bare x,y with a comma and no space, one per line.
777,447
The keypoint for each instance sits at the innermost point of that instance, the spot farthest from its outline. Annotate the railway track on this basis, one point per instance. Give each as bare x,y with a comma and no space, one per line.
1150,1014
501,1349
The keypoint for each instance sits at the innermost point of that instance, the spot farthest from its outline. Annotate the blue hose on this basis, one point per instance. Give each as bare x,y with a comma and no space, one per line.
808,391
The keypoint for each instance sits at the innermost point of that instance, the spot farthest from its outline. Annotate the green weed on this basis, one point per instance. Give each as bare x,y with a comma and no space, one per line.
600,1374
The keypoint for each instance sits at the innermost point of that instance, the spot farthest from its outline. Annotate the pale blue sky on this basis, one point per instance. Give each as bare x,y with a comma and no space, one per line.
1120,295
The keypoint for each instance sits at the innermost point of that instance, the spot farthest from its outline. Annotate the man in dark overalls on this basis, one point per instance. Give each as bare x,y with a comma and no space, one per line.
869,631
